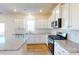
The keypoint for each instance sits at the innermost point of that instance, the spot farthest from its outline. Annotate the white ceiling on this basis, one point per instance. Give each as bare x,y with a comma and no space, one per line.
26,7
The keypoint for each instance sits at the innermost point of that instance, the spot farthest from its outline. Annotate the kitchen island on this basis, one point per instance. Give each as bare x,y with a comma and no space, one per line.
11,45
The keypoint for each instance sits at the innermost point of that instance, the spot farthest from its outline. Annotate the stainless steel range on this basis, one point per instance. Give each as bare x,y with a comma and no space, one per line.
51,38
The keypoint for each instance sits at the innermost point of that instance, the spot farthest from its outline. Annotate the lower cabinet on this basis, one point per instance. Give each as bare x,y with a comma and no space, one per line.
36,39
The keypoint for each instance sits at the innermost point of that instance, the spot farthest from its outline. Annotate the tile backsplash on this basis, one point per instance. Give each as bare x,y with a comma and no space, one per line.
73,36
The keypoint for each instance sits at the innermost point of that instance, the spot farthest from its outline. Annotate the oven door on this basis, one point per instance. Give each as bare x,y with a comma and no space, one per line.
51,45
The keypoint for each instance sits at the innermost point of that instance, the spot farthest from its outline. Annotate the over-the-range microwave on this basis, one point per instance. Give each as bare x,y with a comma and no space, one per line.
57,23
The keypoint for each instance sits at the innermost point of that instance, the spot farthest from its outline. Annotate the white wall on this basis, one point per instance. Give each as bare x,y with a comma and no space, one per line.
9,24
41,23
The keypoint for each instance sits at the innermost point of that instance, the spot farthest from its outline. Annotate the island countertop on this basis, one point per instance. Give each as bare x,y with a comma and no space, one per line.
11,43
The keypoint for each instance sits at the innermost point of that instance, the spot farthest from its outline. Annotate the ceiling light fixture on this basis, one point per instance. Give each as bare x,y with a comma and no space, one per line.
41,11
14,10
30,16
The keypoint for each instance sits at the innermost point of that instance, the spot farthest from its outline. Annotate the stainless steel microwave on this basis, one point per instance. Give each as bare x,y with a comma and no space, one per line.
57,23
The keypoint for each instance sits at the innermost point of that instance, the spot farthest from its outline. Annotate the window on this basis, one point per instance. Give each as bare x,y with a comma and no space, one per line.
2,29
31,25
2,40
2,33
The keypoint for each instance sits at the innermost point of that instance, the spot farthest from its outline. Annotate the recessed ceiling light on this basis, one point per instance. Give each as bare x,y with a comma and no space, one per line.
14,10
41,11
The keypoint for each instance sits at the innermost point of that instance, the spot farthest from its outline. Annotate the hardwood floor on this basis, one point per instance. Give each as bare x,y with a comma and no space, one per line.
38,49
29,49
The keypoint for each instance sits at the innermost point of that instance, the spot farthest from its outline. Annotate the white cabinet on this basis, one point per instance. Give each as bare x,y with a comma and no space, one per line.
69,12
56,13
74,16
62,11
36,39
41,23
70,16
65,16
49,22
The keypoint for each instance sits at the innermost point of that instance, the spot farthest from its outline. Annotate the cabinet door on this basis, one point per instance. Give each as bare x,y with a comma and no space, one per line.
49,23
54,15
58,11
36,39
74,13
65,16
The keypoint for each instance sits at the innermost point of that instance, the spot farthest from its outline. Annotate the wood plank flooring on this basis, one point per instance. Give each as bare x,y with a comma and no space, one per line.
38,49
29,49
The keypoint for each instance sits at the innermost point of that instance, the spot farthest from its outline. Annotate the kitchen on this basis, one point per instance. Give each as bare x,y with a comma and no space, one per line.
25,26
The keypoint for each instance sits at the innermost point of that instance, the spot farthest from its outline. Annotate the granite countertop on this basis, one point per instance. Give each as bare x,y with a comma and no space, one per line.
69,45
10,43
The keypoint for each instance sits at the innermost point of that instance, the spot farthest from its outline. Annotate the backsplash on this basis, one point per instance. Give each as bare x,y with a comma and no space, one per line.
74,36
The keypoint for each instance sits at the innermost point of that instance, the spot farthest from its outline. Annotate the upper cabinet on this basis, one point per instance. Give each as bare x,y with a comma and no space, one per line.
70,16
74,16
69,12
56,13
50,20
65,16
